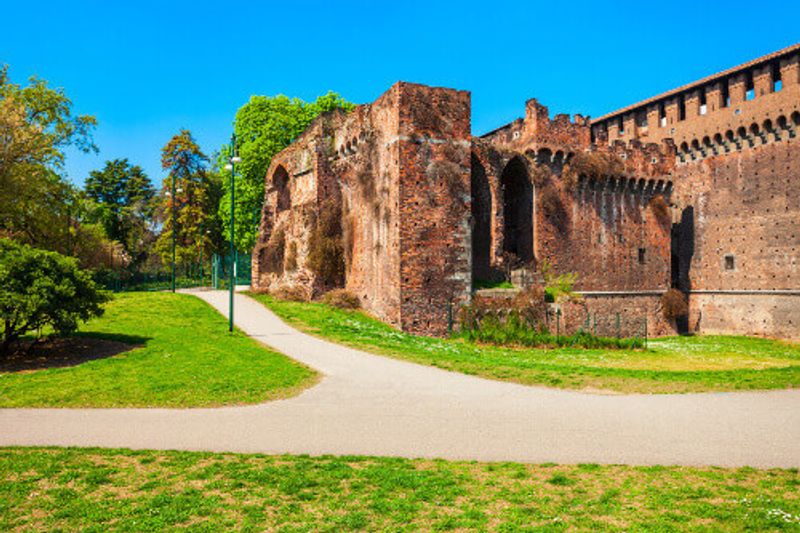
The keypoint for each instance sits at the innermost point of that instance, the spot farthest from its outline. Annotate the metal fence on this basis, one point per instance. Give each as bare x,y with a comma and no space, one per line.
214,273
616,325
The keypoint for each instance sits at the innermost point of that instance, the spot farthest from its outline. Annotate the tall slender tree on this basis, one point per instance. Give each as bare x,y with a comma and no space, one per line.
194,210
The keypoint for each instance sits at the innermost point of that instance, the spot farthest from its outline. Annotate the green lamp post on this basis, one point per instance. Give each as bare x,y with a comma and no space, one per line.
173,199
231,166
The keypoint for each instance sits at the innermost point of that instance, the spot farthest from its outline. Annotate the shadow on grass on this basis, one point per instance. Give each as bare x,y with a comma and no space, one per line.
69,351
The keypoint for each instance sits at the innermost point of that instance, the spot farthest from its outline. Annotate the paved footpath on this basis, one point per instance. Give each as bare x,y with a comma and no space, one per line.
372,405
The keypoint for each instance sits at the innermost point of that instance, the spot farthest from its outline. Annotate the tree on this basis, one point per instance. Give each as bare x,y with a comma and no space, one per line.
39,288
264,126
124,197
37,205
195,211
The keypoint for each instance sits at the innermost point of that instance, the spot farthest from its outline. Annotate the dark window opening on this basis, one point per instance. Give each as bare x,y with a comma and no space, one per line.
281,183
749,87
681,108
726,94
777,83
730,262
642,252
621,126
641,119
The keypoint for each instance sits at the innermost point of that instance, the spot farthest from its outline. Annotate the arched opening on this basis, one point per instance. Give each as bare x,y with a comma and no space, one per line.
718,139
768,126
796,118
481,221
695,145
280,180
707,141
754,129
730,136
517,210
783,123
742,132
684,147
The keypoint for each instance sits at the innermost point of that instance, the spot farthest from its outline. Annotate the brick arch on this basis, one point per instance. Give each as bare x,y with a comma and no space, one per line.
518,225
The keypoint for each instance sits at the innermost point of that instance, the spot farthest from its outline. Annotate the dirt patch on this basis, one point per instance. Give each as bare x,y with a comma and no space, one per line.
64,352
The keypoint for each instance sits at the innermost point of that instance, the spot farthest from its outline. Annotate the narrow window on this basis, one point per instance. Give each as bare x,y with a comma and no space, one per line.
621,126
662,114
730,262
726,94
703,106
681,108
777,83
641,255
750,90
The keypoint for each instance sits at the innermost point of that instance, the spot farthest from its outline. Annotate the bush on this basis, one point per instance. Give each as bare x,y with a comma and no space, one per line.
326,247
291,293
674,305
43,289
527,309
342,299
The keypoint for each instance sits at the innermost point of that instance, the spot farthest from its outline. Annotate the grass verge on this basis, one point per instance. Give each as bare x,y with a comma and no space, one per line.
670,365
122,490
185,358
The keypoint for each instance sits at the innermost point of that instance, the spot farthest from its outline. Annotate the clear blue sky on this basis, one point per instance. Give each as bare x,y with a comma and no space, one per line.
146,69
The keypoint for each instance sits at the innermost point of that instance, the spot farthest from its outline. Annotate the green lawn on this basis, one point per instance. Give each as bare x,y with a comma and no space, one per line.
121,490
186,358
673,364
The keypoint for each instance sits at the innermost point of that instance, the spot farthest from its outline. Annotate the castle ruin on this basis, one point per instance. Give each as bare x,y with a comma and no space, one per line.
696,189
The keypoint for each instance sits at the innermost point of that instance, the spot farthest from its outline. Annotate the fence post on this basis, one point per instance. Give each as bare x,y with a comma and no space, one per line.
594,325
618,329
449,317
645,332
558,322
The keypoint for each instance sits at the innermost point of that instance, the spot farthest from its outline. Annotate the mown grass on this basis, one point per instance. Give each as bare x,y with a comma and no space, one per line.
122,490
187,358
669,365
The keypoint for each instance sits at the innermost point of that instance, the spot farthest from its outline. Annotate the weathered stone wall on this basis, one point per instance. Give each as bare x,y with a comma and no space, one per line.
620,314
739,237
399,171
435,251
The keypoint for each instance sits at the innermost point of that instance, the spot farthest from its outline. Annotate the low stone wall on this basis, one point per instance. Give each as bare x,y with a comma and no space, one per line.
762,313
612,314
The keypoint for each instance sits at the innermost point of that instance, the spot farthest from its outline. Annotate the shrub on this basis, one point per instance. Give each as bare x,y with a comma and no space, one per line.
40,289
292,293
527,309
342,299
674,304
558,287
660,209
326,249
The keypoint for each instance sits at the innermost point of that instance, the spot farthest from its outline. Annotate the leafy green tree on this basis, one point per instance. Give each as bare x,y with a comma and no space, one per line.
36,124
37,205
41,288
264,126
125,208
195,202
